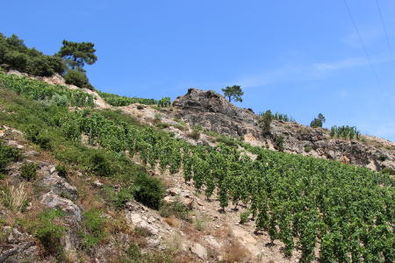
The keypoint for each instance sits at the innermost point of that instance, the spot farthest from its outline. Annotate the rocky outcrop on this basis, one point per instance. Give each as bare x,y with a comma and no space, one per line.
213,112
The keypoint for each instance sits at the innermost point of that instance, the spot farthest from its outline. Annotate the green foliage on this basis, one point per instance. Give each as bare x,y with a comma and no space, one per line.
195,134
29,171
49,230
116,100
294,198
77,54
282,117
244,217
164,102
264,122
38,90
345,132
78,78
100,166
279,143
176,209
233,93
92,224
149,191
38,136
7,155
15,55
388,170
118,199
318,121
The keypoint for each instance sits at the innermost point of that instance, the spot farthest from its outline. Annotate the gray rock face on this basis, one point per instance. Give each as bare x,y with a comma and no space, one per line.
52,200
59,186
213,112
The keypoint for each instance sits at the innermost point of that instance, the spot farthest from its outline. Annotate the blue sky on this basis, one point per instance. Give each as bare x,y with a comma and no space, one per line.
296,57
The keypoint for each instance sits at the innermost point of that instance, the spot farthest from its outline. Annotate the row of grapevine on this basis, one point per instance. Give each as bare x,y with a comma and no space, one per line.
38,90
307,203
344,212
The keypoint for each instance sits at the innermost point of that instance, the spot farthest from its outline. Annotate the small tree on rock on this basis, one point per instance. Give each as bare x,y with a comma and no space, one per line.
264,122
318,121
233,93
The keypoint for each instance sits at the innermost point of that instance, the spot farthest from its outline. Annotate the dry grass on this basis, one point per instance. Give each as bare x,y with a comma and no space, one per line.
172,221
15,197
235,252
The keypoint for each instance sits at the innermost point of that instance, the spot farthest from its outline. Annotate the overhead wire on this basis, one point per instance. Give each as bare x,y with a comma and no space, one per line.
363,46
385,30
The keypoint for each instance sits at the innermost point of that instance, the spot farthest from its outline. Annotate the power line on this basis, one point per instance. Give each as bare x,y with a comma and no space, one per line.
362,42
385,30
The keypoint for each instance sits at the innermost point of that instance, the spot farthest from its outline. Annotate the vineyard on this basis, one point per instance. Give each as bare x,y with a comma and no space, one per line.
337,212
41,91
116,100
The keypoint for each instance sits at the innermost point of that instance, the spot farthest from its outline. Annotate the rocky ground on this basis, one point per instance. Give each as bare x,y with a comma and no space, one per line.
205,233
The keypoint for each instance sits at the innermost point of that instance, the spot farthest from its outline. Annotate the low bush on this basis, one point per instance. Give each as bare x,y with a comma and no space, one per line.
176,209
29,171
244,217
92,228
37,136
99,165
149,191
7,155
118,199
388,170
195,134
345,132
77,78
48,229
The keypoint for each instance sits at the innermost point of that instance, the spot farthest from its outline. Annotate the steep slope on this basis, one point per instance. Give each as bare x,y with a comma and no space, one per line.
214,113
290,207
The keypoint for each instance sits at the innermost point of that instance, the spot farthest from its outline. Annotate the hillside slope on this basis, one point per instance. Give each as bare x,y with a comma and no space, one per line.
84,181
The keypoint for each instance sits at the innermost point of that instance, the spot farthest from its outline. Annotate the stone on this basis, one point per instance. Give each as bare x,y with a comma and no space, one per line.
52,200
199,251
60,186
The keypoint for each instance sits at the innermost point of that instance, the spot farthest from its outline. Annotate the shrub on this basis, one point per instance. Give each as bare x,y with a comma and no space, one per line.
15,55
92,225
149,191
308,148
195,134
176,209
99,165
279,143
388,170
8,154
120,198
345,132
29,171
77,78
244,217
265,121
48,231
36,135
318,121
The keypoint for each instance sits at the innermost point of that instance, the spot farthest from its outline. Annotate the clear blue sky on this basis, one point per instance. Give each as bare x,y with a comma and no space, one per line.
297,57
